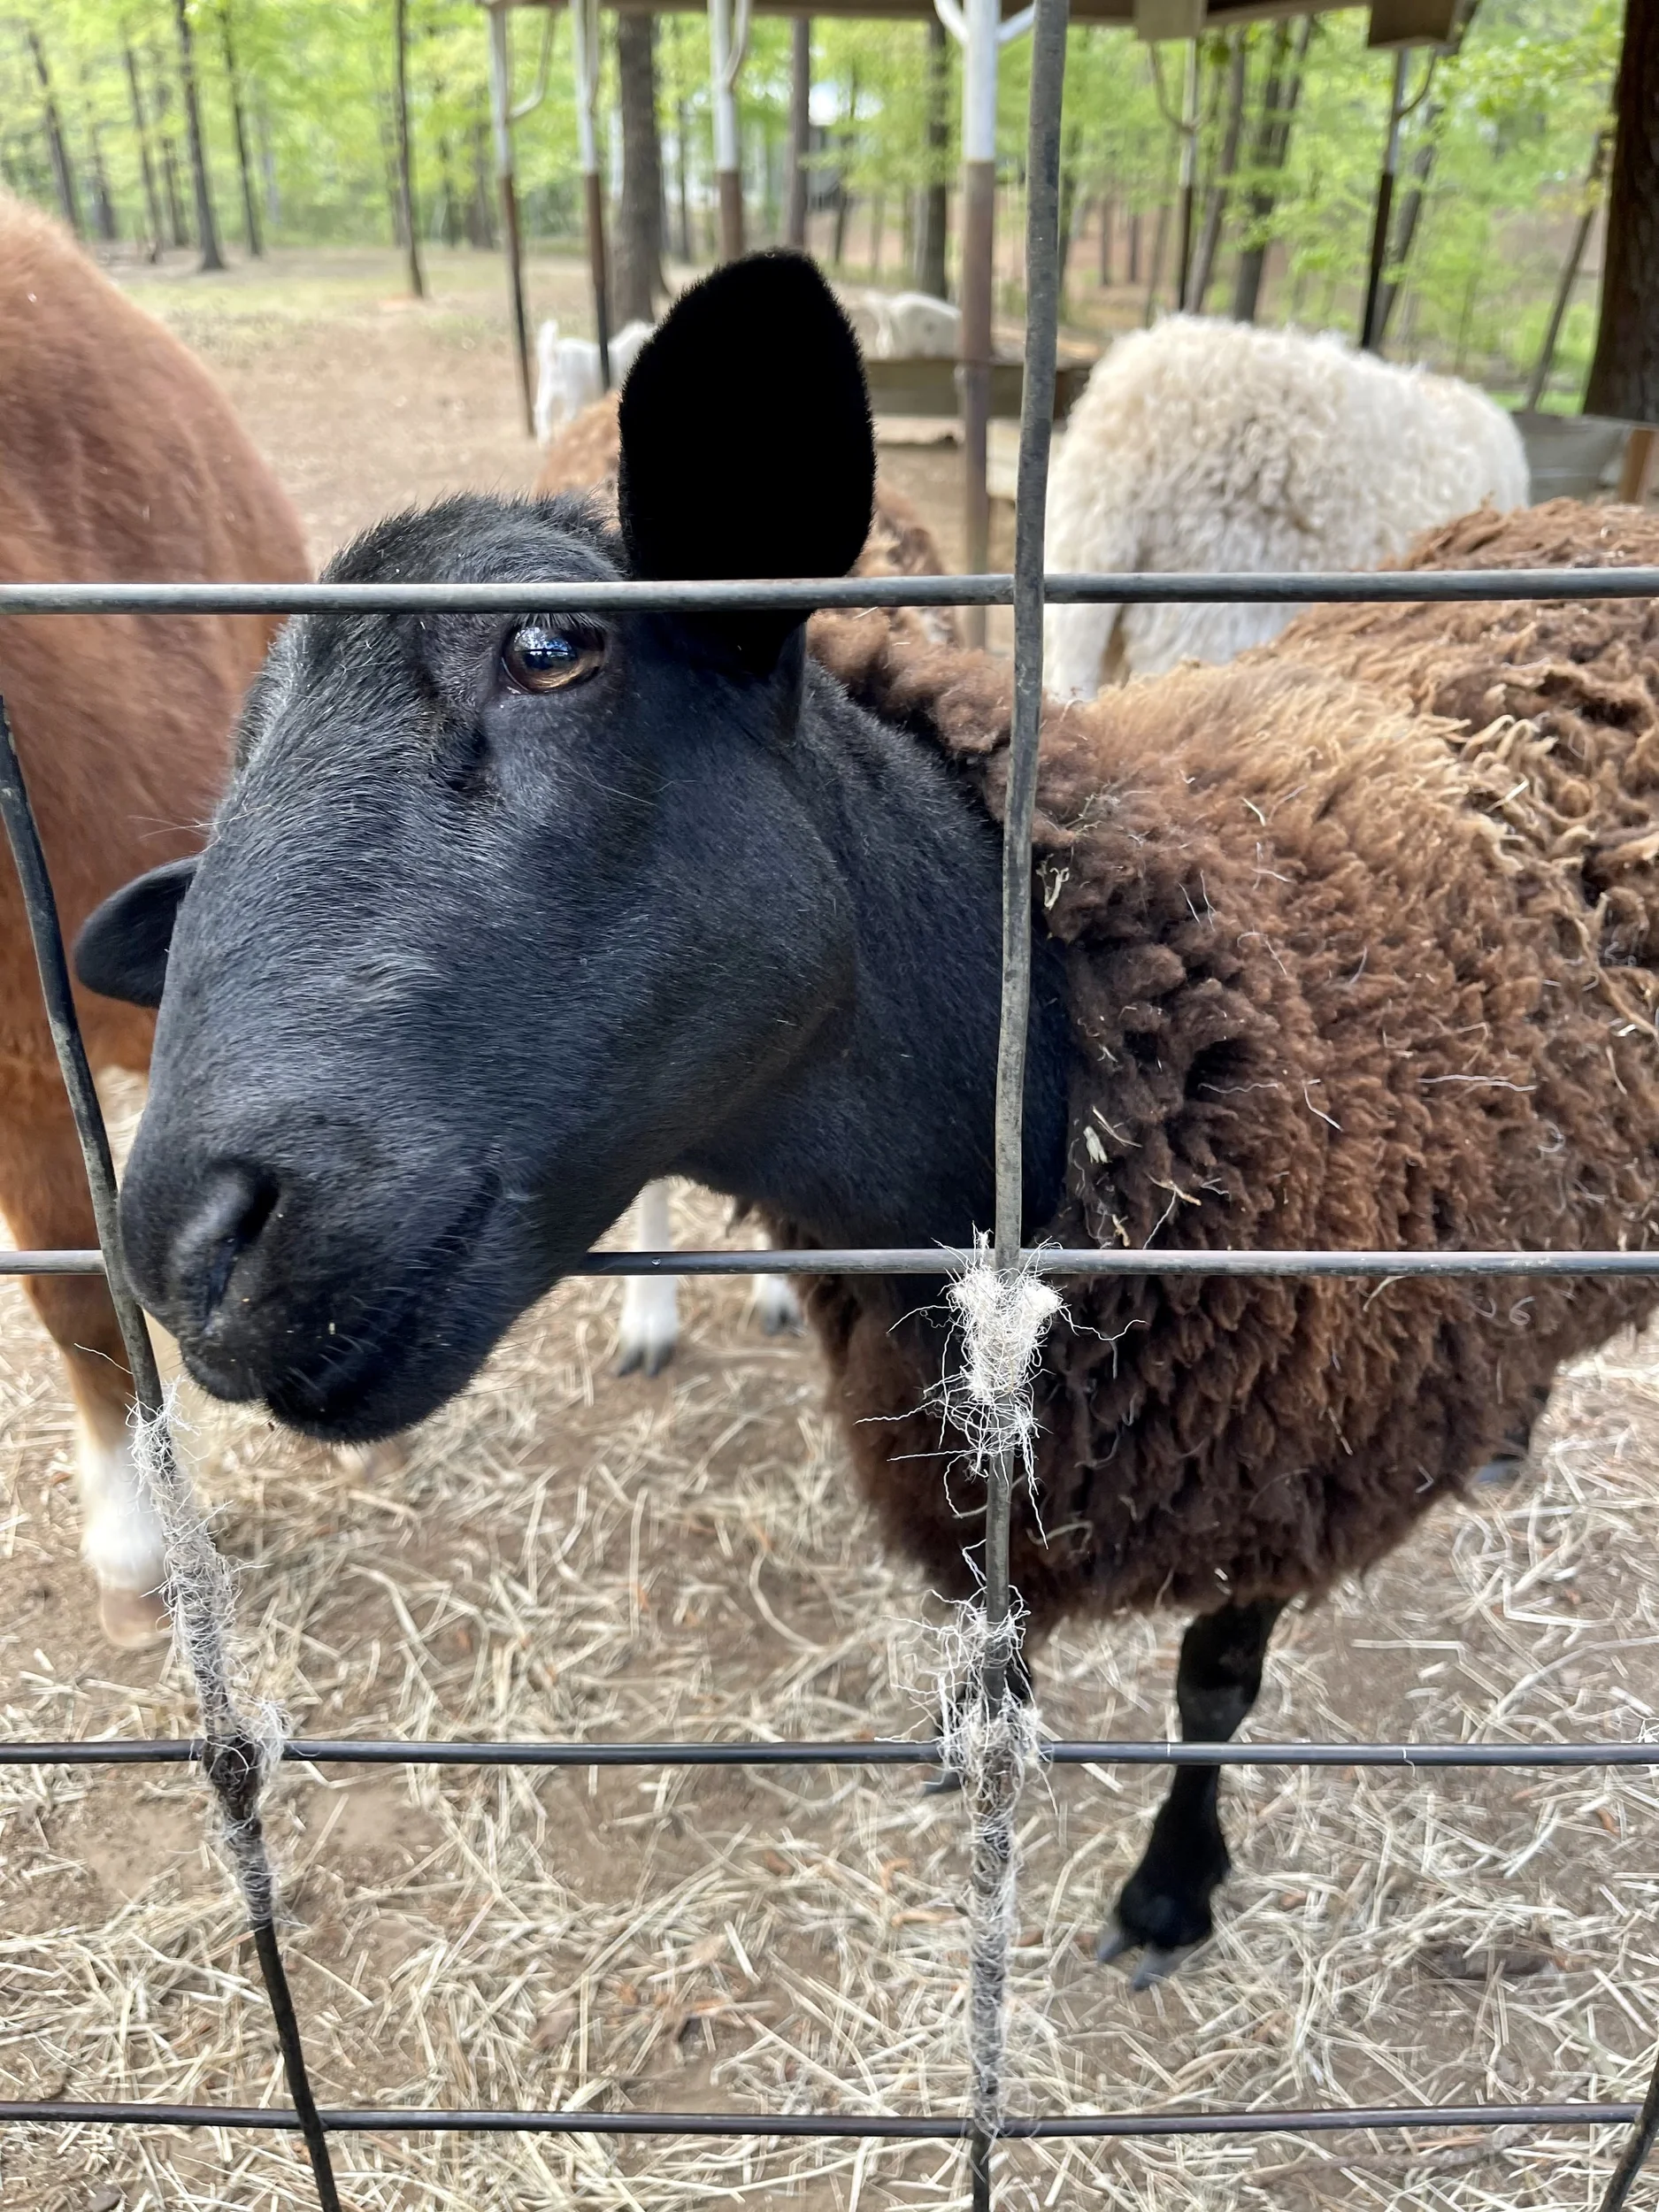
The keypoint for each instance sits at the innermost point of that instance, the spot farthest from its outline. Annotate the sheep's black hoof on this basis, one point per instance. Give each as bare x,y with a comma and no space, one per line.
1164,1910
643,1359
1157,1962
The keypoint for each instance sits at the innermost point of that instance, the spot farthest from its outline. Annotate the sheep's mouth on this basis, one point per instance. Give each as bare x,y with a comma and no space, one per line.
404,1356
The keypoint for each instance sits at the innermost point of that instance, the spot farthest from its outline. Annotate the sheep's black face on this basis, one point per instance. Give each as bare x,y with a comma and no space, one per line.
501,914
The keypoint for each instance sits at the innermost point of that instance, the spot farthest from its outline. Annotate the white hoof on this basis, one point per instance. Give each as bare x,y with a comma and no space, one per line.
772,1303
132,1620
650,1323
120,1540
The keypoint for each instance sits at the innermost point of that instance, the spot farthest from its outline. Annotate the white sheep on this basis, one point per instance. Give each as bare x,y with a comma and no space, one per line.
568,377
1203,444
912,326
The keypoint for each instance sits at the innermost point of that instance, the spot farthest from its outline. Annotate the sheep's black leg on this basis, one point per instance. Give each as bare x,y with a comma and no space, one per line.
1163,1909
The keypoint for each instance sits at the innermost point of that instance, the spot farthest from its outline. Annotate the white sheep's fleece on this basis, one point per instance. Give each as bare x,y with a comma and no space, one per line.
568,377
1204,444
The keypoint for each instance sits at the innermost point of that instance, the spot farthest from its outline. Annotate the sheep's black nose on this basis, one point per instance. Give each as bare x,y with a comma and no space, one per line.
184,1282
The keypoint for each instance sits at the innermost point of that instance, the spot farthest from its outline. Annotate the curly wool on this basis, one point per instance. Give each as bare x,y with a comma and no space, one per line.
1204,444
1360,950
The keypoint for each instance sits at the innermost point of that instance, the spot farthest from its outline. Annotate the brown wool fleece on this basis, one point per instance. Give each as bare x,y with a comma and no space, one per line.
1362,938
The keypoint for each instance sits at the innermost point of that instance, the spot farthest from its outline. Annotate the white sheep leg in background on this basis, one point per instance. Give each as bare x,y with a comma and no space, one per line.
650,1303
772,1303
122,1539
650,1327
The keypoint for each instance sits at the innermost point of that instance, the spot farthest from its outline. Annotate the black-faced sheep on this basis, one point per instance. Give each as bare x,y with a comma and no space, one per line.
1349,944
1216,445
583,457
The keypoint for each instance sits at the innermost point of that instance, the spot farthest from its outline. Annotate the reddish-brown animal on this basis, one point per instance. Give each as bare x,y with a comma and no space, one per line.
122,461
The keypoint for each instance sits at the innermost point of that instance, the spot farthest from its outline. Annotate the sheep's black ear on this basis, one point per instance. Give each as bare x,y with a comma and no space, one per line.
123,945
747,446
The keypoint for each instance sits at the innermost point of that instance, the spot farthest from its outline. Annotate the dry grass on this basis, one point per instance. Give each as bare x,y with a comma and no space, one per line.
568,1555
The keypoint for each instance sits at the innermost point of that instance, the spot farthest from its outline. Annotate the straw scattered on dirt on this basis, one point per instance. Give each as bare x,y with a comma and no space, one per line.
569,1554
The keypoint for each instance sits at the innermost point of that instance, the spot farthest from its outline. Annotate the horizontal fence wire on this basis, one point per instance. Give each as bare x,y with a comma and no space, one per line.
868,2127
1040,1259
1396,587
566,595
835,1752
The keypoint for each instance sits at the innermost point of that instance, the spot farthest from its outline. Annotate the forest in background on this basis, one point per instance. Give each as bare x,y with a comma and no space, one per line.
171,123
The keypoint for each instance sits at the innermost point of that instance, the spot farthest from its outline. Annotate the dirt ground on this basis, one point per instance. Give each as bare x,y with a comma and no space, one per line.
364,400
572,1553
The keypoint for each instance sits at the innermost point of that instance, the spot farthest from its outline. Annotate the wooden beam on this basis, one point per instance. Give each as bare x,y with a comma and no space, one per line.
1395,23
1218,15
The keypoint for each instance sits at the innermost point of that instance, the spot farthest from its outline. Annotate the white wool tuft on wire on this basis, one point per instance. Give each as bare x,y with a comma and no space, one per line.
989,1724
1002,1318
243,1734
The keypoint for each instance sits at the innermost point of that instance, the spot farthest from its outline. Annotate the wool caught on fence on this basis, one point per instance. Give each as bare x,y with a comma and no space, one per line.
243,1736
989,1721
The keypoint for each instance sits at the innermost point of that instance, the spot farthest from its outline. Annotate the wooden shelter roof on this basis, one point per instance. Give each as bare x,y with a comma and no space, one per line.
1393,22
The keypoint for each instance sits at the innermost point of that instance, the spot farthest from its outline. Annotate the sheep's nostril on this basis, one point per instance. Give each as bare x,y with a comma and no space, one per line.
236,1203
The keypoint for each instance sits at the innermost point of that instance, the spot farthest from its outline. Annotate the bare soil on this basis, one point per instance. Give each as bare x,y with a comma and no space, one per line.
571,1554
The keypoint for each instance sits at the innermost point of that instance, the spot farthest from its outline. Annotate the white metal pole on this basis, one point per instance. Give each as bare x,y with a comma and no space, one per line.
725,58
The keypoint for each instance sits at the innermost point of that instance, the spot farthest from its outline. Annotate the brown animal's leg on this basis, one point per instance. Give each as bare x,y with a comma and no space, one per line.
44,1198
1164,1906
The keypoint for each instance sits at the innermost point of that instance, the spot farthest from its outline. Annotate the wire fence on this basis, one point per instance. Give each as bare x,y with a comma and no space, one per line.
229,1749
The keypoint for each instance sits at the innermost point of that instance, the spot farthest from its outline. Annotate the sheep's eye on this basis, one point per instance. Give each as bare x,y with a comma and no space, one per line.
539,657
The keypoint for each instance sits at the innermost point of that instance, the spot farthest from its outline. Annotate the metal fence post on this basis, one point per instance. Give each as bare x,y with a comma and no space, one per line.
232,1759
993,1820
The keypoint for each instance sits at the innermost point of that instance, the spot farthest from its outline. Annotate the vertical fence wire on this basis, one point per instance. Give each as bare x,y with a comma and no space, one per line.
1633,2157
233,1755
993,1808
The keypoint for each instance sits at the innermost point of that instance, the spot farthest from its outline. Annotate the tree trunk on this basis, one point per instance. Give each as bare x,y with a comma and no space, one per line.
249,204
1160,237
206,225
178,219
800,129
63,176
480,214
1134,245
405,156
683,176
932,231
1625,374
1215,207
267,166
451,216
1070,144
103,200
1272,143
637,277
1105,240
1410,216
1592,200
141,131
843,197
